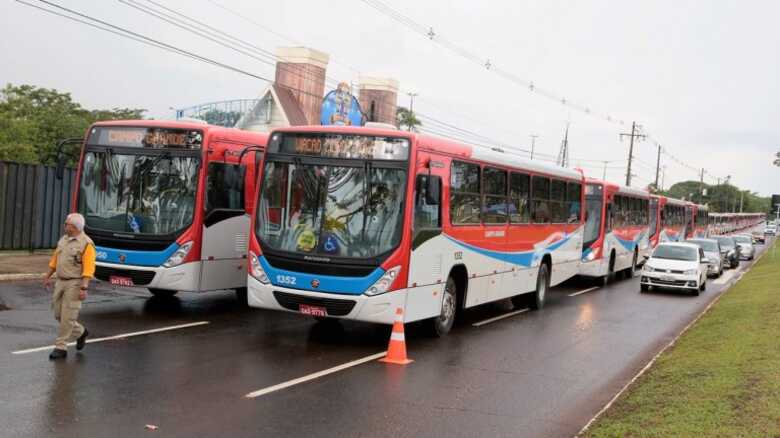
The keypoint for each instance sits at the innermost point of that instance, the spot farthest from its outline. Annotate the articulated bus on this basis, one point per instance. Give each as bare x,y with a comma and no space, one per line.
357,222
670,217
617,230
725,223
168,203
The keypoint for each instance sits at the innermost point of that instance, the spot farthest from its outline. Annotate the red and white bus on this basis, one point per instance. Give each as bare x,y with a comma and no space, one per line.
357,222
725,223
168,203
668,220
616,237
701,219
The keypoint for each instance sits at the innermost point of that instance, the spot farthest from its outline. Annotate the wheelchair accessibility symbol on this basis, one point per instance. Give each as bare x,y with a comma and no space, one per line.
331,245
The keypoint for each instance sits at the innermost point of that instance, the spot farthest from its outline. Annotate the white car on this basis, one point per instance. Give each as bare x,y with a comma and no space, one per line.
770,228
676,266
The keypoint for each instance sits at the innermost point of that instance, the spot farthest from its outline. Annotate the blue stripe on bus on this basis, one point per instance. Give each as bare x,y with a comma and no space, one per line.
522,258
327,283
135,258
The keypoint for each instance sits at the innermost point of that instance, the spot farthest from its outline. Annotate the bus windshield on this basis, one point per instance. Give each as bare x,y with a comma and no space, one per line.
331,210
138,193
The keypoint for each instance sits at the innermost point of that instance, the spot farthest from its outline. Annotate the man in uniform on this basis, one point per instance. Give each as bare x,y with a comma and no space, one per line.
74,263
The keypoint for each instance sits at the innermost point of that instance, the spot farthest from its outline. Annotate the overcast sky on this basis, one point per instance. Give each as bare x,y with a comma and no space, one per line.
701,77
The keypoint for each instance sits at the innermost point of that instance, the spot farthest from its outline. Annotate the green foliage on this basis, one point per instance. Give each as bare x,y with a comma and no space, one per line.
33,120
406,119
720,198
217,117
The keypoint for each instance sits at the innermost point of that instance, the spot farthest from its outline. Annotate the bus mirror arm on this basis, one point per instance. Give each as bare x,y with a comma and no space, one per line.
60,170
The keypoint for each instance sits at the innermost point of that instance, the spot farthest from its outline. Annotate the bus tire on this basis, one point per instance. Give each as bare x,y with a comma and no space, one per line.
537,298
632,270
242,297
605,280
439,326
162,293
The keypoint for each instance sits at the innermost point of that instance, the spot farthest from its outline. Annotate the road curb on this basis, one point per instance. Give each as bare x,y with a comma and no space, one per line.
16,277
644,369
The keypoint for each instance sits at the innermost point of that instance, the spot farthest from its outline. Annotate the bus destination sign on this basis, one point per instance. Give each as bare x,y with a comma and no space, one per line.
342,146
146,137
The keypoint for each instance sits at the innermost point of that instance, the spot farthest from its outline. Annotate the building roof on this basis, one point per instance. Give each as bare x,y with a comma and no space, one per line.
289,105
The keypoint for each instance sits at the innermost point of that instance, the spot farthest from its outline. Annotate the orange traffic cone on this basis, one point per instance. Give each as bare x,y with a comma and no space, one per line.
396,351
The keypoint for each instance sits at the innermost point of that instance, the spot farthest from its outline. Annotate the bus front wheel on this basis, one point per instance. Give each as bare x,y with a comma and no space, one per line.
442,324
162,293
537,298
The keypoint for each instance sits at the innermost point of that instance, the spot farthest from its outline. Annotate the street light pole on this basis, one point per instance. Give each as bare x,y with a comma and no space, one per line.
533,144
411,106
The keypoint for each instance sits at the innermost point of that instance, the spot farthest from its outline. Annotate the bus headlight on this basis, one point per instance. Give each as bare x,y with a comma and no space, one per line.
177,257
257,270
383,284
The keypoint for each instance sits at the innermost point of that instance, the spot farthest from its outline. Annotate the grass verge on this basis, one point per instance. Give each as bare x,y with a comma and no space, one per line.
721,378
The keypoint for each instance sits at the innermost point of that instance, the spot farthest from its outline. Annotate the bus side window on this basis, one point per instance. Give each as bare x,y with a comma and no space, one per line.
427,202
540,193
224,191
573,196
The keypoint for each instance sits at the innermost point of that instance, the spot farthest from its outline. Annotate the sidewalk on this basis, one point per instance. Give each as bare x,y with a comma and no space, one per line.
22,265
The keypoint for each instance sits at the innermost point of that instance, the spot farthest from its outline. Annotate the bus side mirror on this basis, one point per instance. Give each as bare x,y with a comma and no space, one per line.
60,171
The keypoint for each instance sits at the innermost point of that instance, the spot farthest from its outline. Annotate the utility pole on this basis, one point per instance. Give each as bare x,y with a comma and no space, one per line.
604,177
631,136
533,144
663,177
411,106
657,166
563,155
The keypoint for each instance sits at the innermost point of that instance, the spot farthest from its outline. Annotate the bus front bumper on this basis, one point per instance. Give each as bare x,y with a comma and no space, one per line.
184,277
377,309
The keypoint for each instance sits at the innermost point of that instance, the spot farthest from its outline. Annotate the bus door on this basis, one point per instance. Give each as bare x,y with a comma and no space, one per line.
225,227
426,274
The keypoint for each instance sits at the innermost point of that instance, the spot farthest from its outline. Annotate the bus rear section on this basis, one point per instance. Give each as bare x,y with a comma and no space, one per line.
673,220
167,203
617,230
701,226
356,222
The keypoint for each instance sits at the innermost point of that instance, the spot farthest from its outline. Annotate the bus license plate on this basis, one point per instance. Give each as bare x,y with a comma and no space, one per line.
121,281
312,310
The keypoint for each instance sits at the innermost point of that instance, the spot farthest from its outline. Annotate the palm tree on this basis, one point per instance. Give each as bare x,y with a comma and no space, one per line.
406,119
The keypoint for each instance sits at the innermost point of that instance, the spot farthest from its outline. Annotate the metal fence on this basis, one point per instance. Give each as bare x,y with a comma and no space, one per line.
33,205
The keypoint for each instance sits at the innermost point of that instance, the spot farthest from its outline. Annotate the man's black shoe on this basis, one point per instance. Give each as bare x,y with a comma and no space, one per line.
58,354
82,340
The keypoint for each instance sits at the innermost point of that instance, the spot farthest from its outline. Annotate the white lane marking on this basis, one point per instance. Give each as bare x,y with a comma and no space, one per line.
122,336
584,291
499,317
318,374
725,277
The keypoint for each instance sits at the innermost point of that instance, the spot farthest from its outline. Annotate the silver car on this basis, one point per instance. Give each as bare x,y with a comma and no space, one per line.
712,252
745,243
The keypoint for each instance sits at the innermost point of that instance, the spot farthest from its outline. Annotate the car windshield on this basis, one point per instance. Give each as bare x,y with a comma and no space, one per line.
743,239
707,245
134,193
726,242
331,210
673,252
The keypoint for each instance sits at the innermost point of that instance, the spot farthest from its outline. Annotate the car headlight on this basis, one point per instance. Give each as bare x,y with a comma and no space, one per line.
178,257
648,268
383,284
256,270
730,253
691,272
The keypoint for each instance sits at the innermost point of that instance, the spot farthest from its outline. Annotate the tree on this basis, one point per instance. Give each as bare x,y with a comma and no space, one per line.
777,159
406,119
34,119
720,197
217,117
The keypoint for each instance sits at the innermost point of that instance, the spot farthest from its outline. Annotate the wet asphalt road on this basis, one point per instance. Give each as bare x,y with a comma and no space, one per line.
542,373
